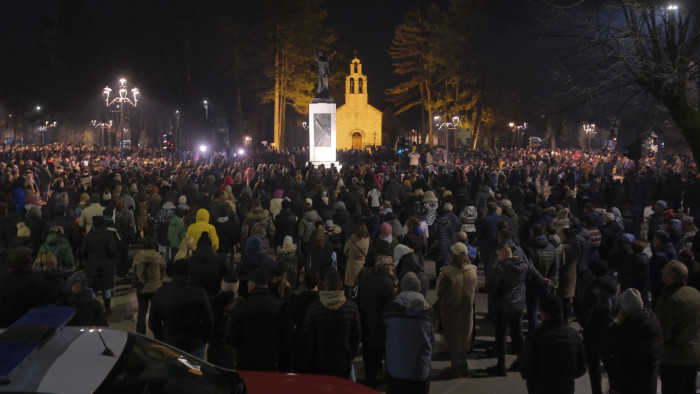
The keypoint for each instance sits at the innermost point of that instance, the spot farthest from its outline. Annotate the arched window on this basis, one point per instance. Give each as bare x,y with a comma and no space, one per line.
355,67
359,88
352,85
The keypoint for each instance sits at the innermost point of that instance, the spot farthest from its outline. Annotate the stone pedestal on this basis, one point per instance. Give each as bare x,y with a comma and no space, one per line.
322,132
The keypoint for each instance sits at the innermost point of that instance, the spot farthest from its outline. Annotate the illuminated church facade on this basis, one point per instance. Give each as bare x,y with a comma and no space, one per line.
358,124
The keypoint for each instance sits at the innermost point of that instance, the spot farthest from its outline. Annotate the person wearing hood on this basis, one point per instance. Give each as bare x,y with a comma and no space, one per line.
149,268
288,259
57,244
205,267
89,311
201,225
509,302
92,210
259,223
375,290
411,263
595,317
331,330
632,348
409,339
160,227
253,259
662,251
456,285
176,231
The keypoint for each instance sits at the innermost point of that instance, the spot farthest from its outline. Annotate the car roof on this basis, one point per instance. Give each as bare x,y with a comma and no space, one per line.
70,362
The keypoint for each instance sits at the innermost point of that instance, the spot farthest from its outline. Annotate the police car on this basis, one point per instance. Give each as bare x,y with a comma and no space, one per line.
38,354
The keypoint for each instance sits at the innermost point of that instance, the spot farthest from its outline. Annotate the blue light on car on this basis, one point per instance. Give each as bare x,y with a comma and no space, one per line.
28,334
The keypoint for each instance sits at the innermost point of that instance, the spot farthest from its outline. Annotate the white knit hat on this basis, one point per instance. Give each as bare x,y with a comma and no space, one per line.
182,199
631,301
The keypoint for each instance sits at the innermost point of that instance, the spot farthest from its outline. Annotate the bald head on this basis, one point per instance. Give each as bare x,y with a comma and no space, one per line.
674,272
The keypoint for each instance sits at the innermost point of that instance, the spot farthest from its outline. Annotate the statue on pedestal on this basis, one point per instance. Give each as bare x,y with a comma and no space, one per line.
323,72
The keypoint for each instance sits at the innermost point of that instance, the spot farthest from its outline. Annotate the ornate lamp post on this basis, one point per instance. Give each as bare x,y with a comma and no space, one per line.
590,130
122,99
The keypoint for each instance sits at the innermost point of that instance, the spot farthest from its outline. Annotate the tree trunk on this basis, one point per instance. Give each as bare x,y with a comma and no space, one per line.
429,106
687,119
477,124
278,92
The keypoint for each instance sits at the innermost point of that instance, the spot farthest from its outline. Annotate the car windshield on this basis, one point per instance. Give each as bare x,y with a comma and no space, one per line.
149,367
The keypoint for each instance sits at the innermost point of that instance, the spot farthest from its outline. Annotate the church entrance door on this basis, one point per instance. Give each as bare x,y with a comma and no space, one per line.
356,140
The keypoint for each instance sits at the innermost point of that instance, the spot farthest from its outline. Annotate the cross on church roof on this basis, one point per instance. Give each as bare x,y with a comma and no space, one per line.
355,53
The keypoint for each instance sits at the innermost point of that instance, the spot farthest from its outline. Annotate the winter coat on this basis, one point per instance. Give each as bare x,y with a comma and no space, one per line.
206,269
444,235
567,273
57,280
88,213
261,329
678,311
99,250
89,311
552,358
258,222
409,336
161,225
176,232
275,207
355,250
430,212
285,224
634,273
411,263
320,256
250,262
382,247
149,267
181,315
509,216
307,225
342,218
375,290
659,258
544,258
201,225
455,294
288,261
509,285
227,231
331,334
61,248
631,354
416,242
20,292
597,307
468,219
487,236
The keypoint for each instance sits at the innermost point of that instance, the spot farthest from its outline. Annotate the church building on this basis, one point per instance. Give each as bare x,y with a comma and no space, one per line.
358,124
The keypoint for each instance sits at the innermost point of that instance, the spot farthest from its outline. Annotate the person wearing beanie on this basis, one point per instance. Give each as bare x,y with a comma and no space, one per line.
456,286
94,209
553,356
678,311
254,259
409,339
595,317
374,290
385,243
99,252
201,225
205,267
288,260
177,299
632,347
21,289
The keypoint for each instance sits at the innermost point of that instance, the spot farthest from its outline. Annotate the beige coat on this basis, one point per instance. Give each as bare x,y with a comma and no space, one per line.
455,290
152,262
85,221
355,252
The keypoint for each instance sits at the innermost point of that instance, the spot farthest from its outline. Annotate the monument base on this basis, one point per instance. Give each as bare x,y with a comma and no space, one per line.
322,132
327,164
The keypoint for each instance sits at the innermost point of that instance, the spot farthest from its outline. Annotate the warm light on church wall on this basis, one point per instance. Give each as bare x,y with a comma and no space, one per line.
357,116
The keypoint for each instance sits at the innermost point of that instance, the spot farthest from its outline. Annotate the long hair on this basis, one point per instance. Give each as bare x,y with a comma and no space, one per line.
187,247
320,236
361,230
45,261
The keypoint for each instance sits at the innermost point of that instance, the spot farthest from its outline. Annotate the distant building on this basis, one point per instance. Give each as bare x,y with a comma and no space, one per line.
358,124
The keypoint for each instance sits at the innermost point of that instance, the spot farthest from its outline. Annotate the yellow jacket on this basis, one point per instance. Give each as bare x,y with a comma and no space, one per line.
201,225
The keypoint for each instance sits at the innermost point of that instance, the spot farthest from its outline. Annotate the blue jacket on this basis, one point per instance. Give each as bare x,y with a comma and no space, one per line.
409,336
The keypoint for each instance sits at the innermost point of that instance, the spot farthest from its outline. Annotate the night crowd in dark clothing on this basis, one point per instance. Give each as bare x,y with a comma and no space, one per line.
263,262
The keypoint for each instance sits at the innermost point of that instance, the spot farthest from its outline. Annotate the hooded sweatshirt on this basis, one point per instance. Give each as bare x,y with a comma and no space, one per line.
332,299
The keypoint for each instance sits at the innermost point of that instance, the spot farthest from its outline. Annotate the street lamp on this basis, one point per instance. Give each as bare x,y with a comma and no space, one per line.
447,126
102,125
589,128
205,103
122,99
519,130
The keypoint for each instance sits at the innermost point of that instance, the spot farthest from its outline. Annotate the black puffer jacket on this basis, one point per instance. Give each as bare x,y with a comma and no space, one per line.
444,235
631,354
206,269
99,249
552,358
332,335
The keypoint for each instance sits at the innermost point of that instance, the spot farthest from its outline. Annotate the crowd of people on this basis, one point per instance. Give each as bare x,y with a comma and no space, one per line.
265,262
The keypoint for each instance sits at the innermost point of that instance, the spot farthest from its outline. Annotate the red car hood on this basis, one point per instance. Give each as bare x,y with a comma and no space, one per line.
269,382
